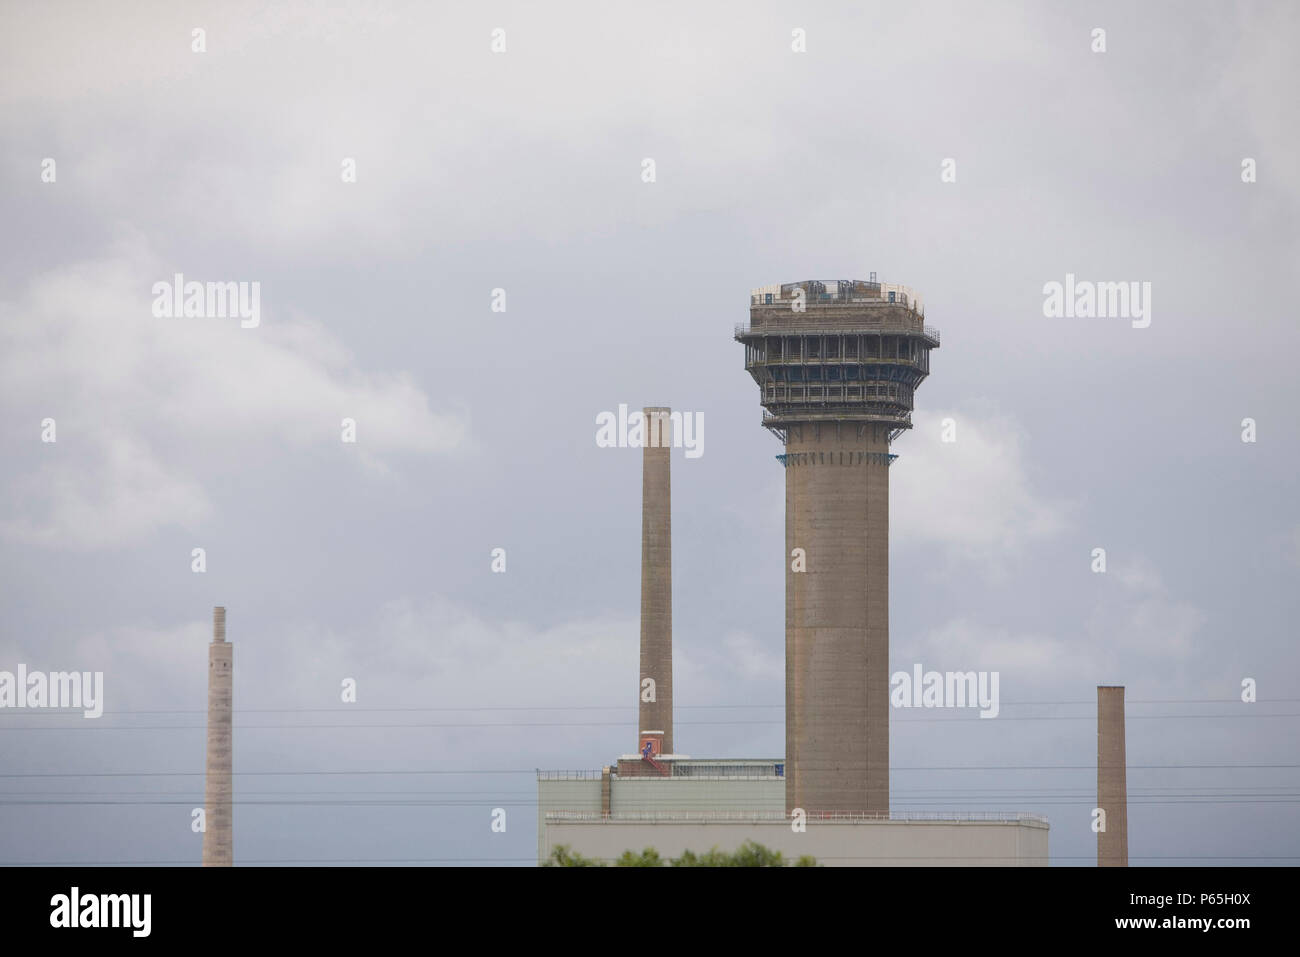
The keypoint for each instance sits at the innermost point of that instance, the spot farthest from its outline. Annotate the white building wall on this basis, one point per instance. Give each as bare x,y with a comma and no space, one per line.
567,794
832,843
697,795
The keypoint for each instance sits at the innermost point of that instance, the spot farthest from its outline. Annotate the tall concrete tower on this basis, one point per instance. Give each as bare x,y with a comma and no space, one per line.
217,843
1112,774
836,364
656,585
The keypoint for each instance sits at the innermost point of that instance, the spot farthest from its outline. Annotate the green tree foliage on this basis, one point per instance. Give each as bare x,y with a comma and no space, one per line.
749,854
647,858
561,856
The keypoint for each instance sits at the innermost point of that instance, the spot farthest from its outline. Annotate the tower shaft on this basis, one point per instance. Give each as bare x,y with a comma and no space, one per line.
837,617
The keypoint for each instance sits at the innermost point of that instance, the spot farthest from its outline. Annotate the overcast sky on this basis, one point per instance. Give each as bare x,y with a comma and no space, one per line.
522,170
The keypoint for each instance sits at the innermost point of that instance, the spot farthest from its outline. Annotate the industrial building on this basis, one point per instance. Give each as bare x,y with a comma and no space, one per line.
701,804
837,364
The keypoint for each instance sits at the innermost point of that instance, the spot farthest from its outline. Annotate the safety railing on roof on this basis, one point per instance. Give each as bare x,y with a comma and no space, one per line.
562,775
930,332
763,817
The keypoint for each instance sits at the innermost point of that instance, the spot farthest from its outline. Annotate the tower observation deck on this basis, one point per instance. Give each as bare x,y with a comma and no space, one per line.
837,351
837,364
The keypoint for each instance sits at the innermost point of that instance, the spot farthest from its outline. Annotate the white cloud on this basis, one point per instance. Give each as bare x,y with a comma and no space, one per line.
974,496
580,163
1259,63
1134,620
1142,618
149,410
435,653
116,491
962,644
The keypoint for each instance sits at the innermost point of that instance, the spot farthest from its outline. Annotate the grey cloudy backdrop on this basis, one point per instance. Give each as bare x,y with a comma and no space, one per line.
476,429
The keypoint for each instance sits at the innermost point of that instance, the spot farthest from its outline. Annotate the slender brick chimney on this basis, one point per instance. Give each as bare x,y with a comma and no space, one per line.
656,716
217,838
1112,789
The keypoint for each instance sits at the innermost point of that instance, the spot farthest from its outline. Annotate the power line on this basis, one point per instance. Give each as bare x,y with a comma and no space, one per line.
407,771
484,802
619,707
987,793
605,724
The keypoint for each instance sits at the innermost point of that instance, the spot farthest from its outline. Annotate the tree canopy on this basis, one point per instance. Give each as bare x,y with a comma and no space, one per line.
749,854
